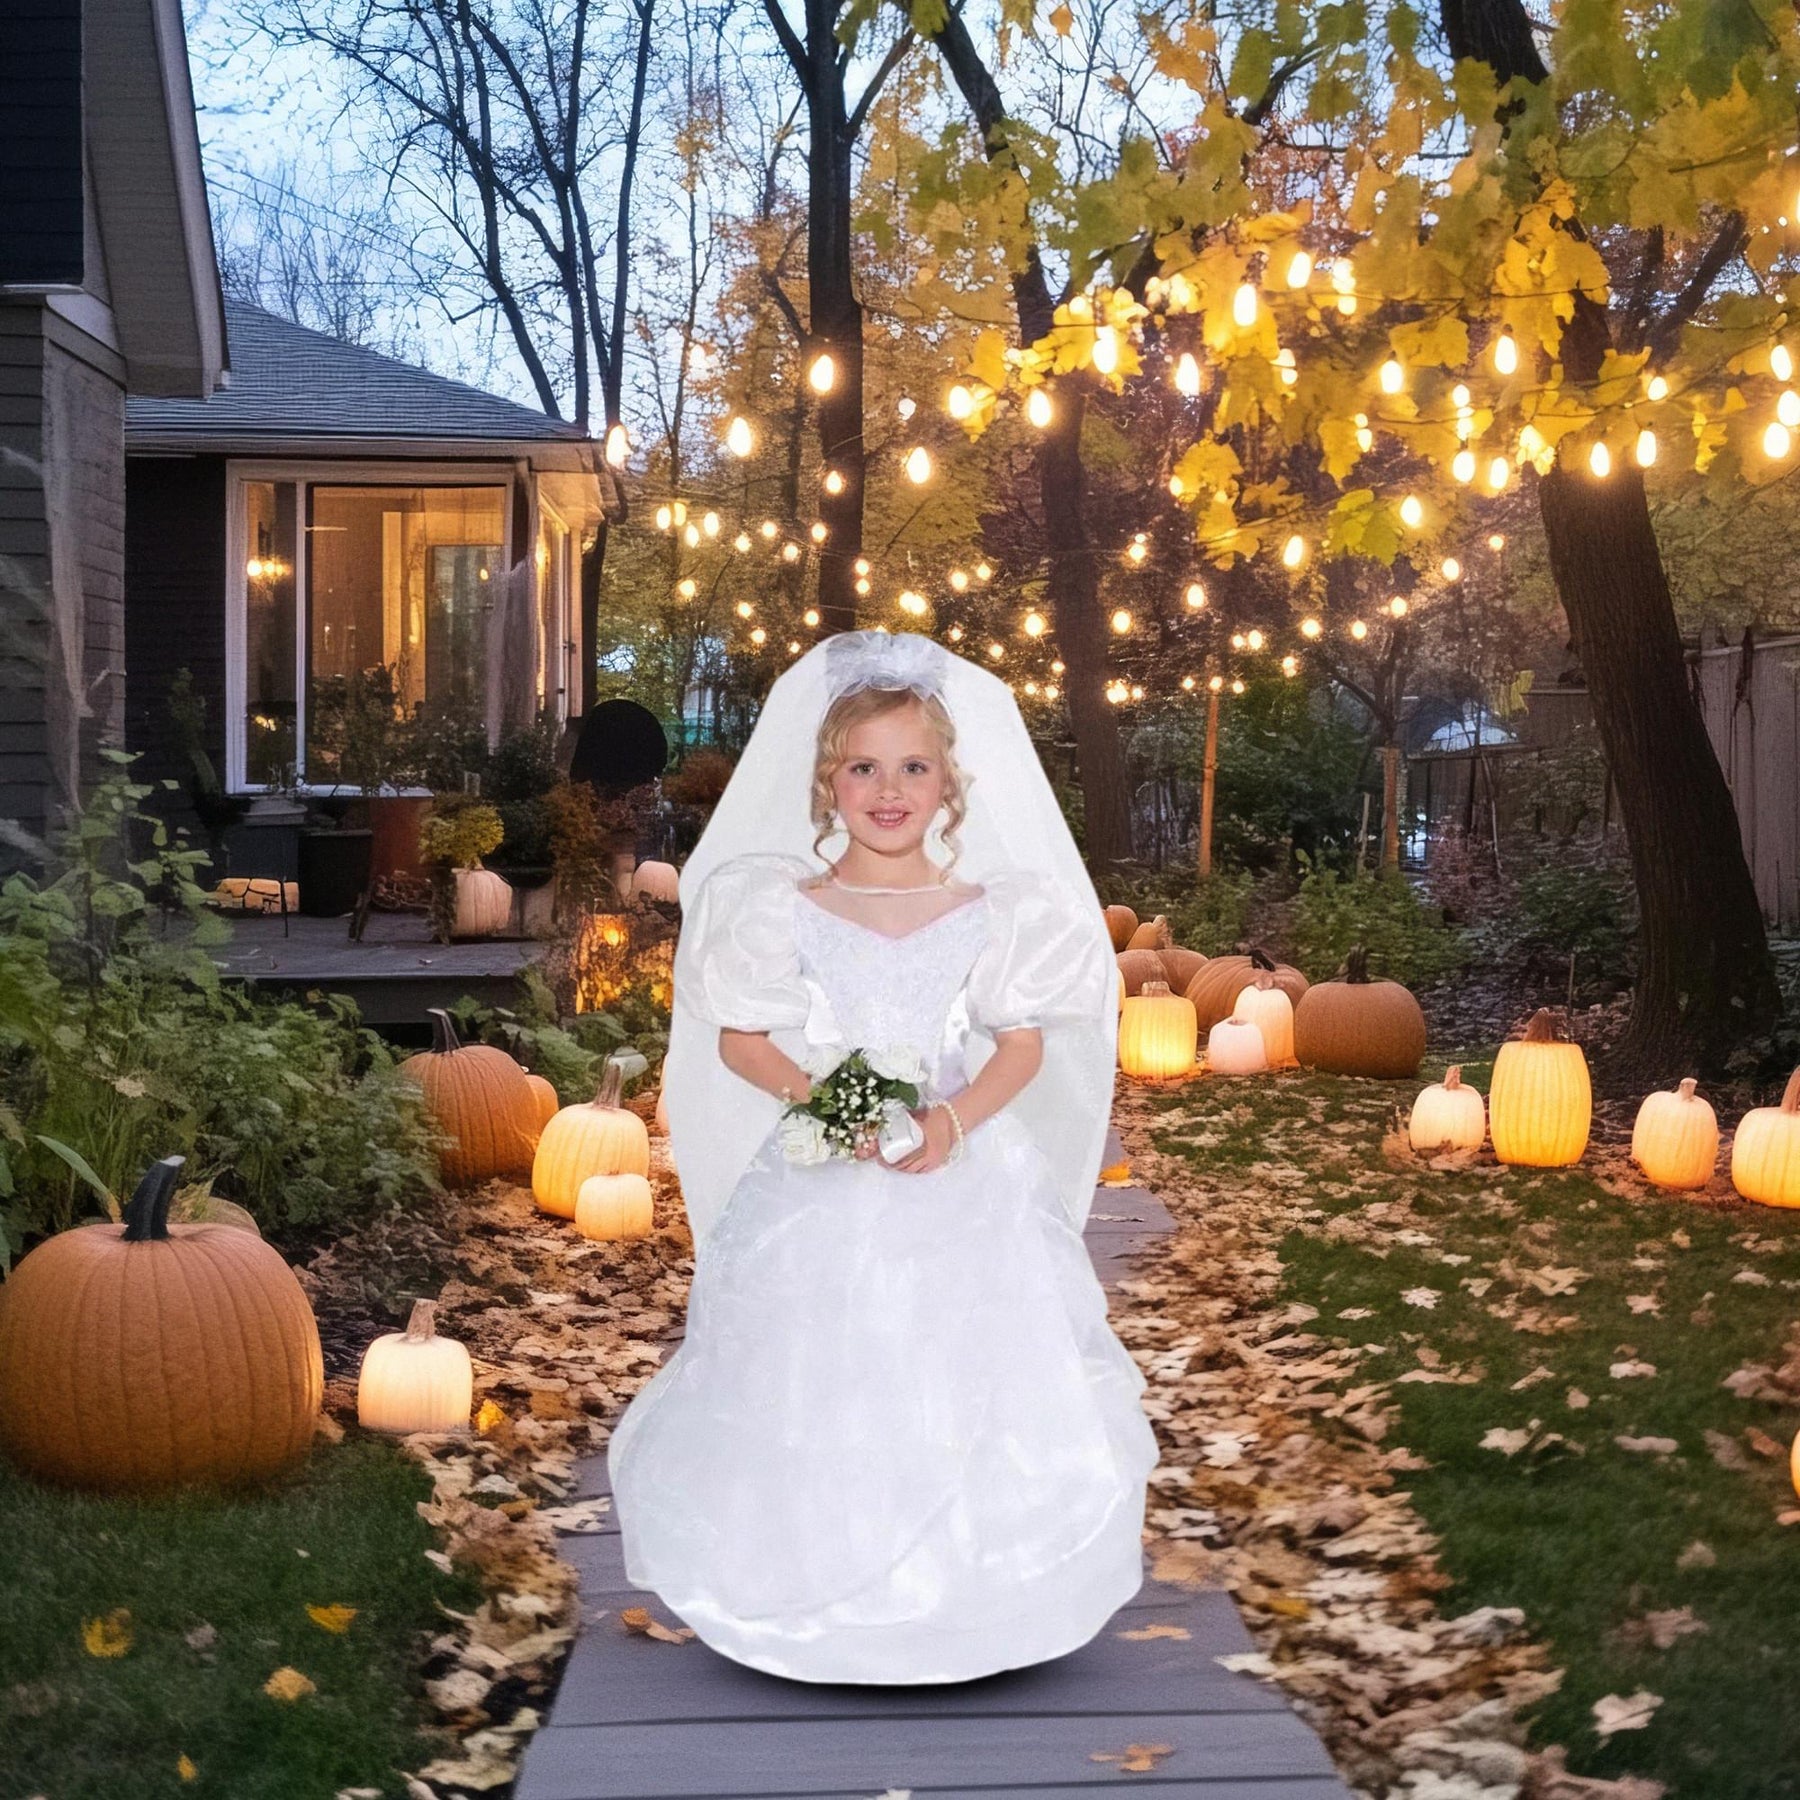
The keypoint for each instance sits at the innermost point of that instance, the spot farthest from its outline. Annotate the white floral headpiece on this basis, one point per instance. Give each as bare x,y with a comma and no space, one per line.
884,659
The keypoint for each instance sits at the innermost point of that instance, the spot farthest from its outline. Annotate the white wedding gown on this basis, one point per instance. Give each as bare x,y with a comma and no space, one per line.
900,1442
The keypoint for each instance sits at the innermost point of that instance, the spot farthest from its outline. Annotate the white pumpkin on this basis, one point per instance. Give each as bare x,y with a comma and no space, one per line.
414,1380
1675,1139
1765,1153
1268,1008
614,1206
656,881
1448,1116
483,903
1236,1047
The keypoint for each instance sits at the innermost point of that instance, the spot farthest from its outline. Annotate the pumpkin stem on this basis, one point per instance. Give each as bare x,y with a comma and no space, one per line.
147,1211
1153,987
1356,965
1264,981
443,1032
1261,959
1542,1029
1790,1101
612,1082
1453,1076
1686,1089
422,1324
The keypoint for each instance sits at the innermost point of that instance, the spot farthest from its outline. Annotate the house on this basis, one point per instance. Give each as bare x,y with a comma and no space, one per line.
332,509
108,290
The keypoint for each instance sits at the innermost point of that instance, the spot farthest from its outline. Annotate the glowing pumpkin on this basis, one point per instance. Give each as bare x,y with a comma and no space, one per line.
1268,1008
1675,1139
1447,1116
1765,1154
1540,1102
614,1206
596,1137
414,1380
1158,1034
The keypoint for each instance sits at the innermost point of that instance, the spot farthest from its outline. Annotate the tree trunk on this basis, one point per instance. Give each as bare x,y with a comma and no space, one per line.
1390,807
836,315
1074,575
1209,773
1705,979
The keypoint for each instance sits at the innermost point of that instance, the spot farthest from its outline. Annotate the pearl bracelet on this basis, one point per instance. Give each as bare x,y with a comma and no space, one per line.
957,1122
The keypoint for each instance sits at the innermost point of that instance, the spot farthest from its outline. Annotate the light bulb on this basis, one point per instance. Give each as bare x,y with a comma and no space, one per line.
961,403
834,482
1499,472
1506,352
1496,541
822,374
819,531
759,636
1781,363
1284,361
1397,608
1106,350
1290,665
691,537
1310,628
1121,620
687,587
1237,640
665,517
861,565
1038,410
1459,396
1254,640
790,552
1299,269
1646,448
1187,374
741,542
1393,377
1217,684
918,465
959,581
618,447
740,440
1244,305
982,571
1138,550
680,512
1358,630
768,528
1412,512
1035,624
710,524
1293,552
1195,596
1600,461
1237,687
1462,465
1450,569
810,616
1777,441
1787,408
1658,388
862,585
906,406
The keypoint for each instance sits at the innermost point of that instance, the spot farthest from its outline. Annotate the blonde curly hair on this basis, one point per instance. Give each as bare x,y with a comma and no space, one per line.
843,716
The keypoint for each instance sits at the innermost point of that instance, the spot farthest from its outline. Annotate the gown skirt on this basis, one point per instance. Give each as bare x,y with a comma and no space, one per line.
900,1442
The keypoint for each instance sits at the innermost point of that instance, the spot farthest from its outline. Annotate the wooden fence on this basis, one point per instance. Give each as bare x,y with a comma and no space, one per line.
1750,699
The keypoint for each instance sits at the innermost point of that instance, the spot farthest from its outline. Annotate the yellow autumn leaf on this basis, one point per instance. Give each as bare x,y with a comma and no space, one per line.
288,1684
1062,21
489,1416
110,1636
335,1619
184,1767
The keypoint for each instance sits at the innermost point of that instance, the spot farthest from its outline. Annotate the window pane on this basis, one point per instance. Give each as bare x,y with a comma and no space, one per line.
268,631
401,578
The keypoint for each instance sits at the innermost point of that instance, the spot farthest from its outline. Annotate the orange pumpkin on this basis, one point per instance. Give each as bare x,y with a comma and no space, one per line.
1182,966
146,1355
1152,934
1121,922
1215,989
597,1137
547,1099
1139,966
482,1098
1357,1025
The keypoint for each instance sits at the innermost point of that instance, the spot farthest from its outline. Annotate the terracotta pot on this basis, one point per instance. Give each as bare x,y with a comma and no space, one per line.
395,820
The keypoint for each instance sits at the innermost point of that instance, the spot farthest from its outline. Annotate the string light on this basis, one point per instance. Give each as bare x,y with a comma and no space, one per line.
1496,541
1237,687
1358,630
911,602
1254,639
906,406
1787,408
1657,388
665,517
1462,465
819,531
687,587
740,440
1311,628
959,581
1187,374
1781,363
1600,461
861,565
834,482
1217,684
1412,512
618,447
862,585
1459,397
1284,361
1499,473
1293,552
1343,283
811,615
1777,441
918,465
1290,664
790,552
1299,269
1506,352
1397,608
1392,376
1195,596
961,403
822,374
1645,450
1450,569
744,609
1237,640
1106,350
983,571
1121,621
741,543
768,528
759,636
691,537
1364,436
710,524
1035,624
1138,549
1244,306
1038,409
996,651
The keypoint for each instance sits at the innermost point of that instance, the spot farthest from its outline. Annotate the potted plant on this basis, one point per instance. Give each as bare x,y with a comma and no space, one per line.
378,759
335,854
466,899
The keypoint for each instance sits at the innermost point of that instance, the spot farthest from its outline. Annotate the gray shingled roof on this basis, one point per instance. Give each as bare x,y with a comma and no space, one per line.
291,383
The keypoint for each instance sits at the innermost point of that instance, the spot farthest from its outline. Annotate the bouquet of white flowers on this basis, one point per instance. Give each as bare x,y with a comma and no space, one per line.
859,1090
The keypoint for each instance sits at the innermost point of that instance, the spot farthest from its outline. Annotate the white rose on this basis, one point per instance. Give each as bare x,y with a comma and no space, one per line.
897,1062
818,1060
803,1138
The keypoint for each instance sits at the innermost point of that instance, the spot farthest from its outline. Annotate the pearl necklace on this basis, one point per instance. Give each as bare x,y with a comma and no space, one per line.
849,888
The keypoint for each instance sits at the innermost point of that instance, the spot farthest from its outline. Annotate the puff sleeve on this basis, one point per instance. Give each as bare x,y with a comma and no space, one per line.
737,963
1047,960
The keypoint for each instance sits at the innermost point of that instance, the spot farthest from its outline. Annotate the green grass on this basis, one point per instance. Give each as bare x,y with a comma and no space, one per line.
1585,1536
344,1531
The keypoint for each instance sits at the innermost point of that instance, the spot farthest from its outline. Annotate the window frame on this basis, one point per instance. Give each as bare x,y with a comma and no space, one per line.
308,474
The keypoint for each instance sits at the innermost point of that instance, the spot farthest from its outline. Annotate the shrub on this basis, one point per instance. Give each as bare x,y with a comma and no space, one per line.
459,832
523,765
119,1040
1333,913
1583,909
1213,916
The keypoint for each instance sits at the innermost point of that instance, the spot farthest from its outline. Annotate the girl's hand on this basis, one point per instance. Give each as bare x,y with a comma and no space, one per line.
940,1141
867,1144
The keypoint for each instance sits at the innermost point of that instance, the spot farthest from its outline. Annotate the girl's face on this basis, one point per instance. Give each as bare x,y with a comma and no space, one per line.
891,782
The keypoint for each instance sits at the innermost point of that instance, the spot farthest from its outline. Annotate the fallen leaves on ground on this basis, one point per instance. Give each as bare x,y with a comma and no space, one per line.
109,1635
335,1619
638,1619
1155,1631
289,1685
1136,1759
1630,1712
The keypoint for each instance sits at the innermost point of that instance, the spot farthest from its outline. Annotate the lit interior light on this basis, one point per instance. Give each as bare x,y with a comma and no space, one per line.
1187,374
822,374
740,440
918,465
1506,352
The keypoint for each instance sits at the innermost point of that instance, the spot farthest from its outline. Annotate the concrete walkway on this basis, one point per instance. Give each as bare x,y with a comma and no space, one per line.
636,1718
